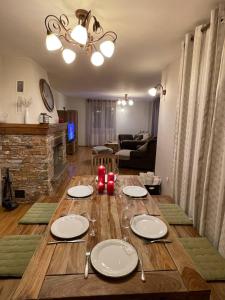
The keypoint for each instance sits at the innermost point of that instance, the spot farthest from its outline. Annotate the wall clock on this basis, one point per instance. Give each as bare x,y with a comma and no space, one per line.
46,94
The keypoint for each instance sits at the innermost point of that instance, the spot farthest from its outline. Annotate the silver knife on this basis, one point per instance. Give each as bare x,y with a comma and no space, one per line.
65,242
157,241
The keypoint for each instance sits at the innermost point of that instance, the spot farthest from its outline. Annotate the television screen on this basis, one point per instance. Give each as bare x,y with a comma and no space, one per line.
71,131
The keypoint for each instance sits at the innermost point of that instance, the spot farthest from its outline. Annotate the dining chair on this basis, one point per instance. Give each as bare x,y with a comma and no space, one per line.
110,161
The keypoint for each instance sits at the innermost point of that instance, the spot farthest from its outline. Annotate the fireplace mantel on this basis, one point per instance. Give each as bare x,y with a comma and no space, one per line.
31,129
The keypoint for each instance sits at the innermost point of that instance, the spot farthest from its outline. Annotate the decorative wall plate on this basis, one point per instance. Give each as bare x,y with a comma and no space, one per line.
46,94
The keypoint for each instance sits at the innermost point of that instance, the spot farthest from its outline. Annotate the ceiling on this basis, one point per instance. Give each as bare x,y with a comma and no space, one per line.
149,35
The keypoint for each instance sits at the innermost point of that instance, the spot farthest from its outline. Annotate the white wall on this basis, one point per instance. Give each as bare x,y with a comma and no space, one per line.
166,129
80,106
134,118
21,68
60,100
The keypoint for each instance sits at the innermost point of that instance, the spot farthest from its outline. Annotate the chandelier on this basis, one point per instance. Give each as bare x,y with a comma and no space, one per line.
125,101
87,35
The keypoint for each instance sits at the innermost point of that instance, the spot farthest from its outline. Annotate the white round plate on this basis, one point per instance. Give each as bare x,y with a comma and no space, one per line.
80,191
114,258
148,226
70,226
106,178
135,191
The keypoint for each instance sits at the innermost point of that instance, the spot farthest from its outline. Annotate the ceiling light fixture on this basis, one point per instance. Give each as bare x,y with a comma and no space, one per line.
125,101
89,40
157,90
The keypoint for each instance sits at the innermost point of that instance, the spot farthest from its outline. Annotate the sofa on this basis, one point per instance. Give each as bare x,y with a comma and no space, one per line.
128,141
142,158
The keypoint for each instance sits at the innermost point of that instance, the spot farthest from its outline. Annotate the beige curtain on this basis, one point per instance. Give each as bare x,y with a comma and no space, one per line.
100,121
200,131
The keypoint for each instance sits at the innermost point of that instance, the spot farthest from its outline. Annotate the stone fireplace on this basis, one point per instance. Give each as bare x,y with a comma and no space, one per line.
35,156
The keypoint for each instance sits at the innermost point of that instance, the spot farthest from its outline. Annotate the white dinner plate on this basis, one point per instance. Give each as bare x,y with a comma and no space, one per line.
80,191
114,258
148,226
70,226
135,191
106,178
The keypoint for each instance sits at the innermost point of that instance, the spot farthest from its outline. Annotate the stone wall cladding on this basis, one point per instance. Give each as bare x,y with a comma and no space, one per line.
30,160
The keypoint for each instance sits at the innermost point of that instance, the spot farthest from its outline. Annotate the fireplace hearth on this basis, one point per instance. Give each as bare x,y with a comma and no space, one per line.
35,156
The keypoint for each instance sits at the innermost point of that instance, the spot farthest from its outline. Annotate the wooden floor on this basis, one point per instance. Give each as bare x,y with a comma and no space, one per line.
78,164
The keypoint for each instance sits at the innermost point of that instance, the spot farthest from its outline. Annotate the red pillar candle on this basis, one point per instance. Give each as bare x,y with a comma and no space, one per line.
101,173
111,176
110,187
101,187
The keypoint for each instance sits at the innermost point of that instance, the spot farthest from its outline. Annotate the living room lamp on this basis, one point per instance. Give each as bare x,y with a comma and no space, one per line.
156,90
88,35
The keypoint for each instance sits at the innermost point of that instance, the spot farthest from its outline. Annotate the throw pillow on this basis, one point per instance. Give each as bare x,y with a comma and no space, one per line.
143,148
138,137
146,137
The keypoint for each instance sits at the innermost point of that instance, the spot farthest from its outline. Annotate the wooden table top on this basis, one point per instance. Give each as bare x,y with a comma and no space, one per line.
57,271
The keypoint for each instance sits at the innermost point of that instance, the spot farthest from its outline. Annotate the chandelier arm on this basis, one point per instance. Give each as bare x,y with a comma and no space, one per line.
86,21
64,21
112,34
54,24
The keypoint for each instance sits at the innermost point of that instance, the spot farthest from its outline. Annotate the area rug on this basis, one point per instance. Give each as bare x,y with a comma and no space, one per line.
39,213
207,260
174,214
15,253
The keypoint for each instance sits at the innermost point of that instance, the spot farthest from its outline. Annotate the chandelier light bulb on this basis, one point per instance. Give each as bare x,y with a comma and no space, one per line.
124,103
119,102
97,59
53,42
152,92
69,56
79,34
107,48
131,102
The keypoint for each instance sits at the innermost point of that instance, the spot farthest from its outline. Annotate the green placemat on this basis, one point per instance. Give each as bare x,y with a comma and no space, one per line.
174,214
39,213
209,263
15,254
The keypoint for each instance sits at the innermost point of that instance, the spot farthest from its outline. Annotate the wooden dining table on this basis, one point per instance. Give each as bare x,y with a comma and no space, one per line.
56,271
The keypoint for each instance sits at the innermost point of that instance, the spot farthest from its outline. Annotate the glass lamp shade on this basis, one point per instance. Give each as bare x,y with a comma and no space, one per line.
107,48
152,92
131,102
97,59
79,34
53,42
68,55
124,103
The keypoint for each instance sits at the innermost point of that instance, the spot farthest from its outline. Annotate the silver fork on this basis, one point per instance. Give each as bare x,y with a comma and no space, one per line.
88,253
